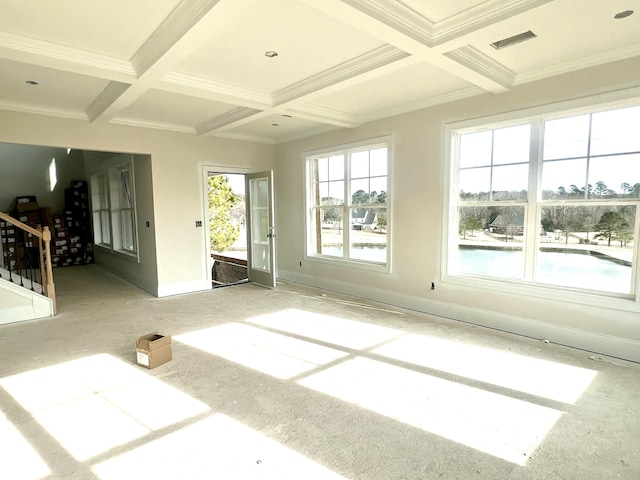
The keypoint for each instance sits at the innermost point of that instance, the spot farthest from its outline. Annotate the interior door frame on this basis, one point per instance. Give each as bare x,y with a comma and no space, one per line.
207,171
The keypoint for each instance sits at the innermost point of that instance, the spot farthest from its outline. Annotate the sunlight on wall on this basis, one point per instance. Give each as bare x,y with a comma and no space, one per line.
19,459
543,378
53,175
96,403
501,426
218,447
338,331
276,355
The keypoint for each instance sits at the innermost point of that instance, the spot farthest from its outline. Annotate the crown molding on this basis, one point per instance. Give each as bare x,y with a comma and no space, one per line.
317,113
479,16
460,94
225,120
42,110
371,60
220,91
244,137
578,64
479,63
70,59
136,122
307,133
397,16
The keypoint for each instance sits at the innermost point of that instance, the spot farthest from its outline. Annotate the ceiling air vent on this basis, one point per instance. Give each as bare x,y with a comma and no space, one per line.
507,42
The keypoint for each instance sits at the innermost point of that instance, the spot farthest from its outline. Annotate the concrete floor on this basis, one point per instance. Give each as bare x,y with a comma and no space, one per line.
296,383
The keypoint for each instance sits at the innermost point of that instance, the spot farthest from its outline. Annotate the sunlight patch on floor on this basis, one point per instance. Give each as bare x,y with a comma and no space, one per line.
96,403
267,352
20,461
217,447
543,378
498,425
326,328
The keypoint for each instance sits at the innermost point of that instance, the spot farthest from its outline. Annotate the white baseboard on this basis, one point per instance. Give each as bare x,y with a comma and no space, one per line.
559,334
170,289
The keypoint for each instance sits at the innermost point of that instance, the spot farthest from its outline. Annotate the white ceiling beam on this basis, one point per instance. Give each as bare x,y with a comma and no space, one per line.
394,23
231,119
373,63
187,27
199,87
340,75
480,16
328,116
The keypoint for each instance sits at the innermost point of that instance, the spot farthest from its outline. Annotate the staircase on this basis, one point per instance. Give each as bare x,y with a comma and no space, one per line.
27,290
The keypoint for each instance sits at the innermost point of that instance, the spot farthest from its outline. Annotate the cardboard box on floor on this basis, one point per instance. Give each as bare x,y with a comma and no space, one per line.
153,350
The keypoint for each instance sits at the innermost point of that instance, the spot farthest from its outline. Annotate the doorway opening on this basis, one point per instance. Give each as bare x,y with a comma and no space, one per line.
228,229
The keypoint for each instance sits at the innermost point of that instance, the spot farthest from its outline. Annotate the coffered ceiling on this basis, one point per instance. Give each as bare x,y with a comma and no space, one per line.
199,66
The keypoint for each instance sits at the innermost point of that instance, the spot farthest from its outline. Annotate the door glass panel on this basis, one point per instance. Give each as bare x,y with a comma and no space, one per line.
260,252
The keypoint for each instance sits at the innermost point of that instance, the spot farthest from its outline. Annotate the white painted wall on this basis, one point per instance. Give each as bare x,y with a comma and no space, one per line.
140,270
418,200
175,177
18,304
25,171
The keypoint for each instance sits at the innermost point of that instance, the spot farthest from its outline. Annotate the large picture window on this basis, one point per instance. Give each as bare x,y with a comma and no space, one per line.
348,204
113,206
549,201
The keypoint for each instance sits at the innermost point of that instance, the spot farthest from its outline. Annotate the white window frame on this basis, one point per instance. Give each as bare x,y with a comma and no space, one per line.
534,203
117,212
345,259
100,209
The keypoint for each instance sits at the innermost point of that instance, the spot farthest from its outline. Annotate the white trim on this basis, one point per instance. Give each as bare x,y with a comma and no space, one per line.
180,288
207,170
42,110
346,71
253,98
385,141
447,97
138,122
76,60
571,337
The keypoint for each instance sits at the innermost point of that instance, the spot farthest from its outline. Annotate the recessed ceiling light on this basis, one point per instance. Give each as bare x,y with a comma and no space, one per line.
624,14
275,124
285,115
507,42
31,82
270,54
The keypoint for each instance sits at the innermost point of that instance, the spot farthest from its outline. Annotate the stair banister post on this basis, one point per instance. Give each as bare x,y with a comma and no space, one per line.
43,276
51,288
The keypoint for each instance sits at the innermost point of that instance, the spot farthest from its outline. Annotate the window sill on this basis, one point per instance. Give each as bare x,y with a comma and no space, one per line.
553,293
348,263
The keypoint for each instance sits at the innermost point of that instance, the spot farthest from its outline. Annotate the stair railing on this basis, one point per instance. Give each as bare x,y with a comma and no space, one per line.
44,247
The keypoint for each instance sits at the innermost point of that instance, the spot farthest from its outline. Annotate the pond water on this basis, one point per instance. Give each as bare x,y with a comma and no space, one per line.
563,268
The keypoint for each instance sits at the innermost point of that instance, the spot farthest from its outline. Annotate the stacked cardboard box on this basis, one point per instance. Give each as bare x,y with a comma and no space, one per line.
76,217
59,242
26,249
71,231
71,235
